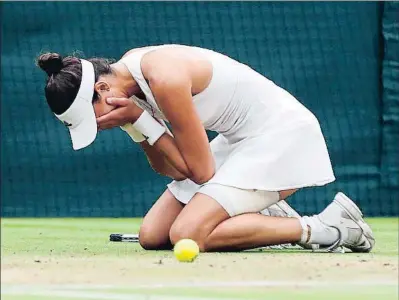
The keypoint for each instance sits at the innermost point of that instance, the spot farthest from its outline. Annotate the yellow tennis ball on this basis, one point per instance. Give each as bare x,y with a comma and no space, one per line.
186,250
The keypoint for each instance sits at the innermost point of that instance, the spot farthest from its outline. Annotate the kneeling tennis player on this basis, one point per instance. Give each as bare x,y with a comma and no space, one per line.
269,145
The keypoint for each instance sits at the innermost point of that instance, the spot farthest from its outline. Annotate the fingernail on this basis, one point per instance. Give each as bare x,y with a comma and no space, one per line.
109,100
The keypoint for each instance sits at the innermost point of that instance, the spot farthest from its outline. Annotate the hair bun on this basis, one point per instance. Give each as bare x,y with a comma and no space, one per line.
51,63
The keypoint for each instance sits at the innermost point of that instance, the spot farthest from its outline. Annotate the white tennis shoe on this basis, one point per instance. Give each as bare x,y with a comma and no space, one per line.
344,215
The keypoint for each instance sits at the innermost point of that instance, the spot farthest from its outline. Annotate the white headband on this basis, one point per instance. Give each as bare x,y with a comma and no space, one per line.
80,117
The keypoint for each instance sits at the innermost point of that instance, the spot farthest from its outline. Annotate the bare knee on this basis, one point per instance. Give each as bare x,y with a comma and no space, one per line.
180,230
198,220
149,239
286,193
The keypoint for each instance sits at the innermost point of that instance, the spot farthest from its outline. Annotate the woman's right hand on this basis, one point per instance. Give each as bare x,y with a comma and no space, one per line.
126,111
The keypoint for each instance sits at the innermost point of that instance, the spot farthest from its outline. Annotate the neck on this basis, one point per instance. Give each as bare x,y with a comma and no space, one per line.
125,79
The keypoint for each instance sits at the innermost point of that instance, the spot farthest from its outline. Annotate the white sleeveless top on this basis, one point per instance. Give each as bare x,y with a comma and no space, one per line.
267,141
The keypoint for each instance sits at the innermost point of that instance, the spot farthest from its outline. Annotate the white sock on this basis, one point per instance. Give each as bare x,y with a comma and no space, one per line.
315,232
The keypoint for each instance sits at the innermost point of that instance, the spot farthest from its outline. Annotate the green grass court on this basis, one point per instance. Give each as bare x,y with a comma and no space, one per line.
72,259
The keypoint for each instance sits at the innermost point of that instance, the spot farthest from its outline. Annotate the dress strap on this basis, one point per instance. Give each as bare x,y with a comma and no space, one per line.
133,63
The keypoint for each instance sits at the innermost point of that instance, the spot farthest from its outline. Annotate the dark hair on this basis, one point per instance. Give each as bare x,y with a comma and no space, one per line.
64,77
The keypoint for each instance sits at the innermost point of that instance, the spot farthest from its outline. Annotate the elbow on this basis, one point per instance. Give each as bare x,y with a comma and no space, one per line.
203,176
158,169
160,172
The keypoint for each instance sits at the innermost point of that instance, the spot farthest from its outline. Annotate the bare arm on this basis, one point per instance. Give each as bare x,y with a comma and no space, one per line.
159,162
164,153
189,150
155,158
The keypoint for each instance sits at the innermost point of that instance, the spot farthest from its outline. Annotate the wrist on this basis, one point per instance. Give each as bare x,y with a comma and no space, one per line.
149,127
134,134
137,112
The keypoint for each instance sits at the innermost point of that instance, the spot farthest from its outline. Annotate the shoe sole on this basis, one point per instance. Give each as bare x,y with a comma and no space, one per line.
356,215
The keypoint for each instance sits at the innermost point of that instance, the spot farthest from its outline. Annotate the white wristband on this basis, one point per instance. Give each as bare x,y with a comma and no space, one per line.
133,133
149,127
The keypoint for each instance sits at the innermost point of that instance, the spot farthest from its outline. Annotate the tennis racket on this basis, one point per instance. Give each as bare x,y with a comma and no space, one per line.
124,237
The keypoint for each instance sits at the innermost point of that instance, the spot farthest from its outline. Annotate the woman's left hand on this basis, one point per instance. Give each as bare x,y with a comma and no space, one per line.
126,111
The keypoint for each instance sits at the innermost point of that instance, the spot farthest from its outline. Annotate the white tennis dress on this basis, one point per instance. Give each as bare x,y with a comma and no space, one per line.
267,139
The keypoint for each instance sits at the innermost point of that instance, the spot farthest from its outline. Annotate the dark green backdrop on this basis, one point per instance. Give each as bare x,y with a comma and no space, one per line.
339,59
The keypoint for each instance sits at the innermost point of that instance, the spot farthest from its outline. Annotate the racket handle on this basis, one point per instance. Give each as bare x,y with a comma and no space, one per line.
124,237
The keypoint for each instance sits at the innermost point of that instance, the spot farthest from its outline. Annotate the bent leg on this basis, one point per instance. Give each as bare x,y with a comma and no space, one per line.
154,231
250,231
207,222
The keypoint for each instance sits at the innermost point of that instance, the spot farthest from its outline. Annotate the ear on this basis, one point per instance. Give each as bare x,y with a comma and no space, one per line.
101,87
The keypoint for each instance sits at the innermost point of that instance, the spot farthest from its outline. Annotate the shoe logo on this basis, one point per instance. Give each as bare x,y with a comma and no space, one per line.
67,124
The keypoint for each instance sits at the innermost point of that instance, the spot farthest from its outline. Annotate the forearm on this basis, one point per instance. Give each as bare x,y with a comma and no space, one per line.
166,147
163,150
155,158
160,163
166,159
